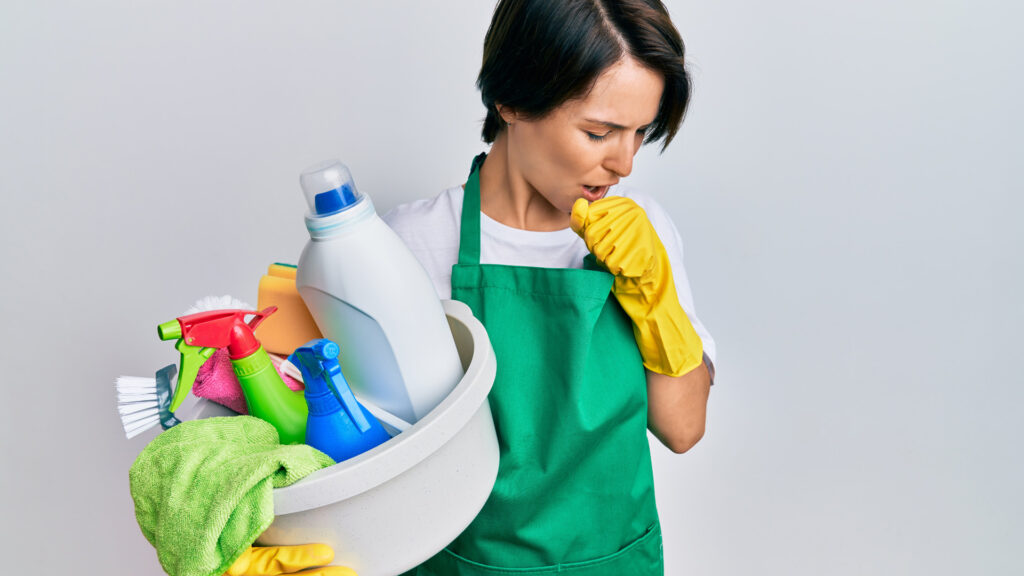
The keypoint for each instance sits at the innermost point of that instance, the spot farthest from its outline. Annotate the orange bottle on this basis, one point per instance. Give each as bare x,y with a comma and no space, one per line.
292,326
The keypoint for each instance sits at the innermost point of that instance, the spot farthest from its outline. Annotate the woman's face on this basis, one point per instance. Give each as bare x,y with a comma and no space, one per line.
584,146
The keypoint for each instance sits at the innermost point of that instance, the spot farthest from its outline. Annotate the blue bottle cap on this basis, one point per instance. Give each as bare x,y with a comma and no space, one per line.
329,188
336,200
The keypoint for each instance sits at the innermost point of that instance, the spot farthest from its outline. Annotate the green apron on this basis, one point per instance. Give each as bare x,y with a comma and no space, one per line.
575,490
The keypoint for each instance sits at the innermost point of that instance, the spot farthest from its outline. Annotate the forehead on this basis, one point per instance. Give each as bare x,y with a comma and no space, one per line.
626,93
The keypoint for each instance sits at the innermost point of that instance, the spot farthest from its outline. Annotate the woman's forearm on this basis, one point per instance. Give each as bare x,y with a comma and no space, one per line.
677,407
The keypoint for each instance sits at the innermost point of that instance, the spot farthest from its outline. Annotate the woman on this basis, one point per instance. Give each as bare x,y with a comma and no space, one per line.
579,283
572,89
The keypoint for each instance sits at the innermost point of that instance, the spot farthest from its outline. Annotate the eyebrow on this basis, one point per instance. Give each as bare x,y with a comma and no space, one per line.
614,125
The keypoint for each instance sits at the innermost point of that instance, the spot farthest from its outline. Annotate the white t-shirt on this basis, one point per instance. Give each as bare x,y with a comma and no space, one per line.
430,228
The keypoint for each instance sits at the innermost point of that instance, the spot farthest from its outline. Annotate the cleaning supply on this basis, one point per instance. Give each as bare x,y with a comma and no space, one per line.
619,234
266,396
293,325
392,423
216,380
146,402
203,490
337,424
369,294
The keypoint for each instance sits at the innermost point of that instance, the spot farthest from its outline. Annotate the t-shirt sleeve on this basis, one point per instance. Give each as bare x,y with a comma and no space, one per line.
430,230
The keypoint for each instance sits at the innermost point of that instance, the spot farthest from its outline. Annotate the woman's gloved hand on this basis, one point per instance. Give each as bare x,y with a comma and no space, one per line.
618,233
273,560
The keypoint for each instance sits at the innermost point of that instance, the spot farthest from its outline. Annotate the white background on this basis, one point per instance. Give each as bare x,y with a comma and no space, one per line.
848,185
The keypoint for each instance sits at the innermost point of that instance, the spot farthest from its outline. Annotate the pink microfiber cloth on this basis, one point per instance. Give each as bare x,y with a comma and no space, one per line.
216,381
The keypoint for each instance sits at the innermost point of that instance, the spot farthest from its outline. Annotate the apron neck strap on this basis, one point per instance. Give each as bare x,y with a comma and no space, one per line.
469,234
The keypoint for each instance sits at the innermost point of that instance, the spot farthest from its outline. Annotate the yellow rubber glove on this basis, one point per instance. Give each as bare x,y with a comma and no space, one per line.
272,560
618,233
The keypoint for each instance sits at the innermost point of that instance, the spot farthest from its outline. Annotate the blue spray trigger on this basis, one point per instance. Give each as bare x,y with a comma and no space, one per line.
328,397
318,361
339,387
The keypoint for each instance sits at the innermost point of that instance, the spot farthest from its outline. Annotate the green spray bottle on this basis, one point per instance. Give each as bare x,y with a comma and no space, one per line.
266,395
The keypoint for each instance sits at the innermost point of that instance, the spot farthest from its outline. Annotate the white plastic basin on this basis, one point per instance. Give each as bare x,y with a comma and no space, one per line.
393,507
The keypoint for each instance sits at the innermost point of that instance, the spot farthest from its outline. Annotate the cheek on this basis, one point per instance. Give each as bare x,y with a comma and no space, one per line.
573,157
558,159
551,157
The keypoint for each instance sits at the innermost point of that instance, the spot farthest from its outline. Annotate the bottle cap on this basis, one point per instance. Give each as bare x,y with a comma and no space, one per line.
329,188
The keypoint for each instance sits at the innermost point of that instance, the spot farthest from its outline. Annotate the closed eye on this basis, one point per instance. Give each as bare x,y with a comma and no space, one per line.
597,137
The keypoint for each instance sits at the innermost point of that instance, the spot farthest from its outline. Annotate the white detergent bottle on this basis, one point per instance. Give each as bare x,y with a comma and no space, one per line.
368,293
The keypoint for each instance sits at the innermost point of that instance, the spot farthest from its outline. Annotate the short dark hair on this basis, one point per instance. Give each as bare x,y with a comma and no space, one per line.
539,54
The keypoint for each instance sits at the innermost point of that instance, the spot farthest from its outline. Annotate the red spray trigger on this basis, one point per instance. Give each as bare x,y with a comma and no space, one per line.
224,328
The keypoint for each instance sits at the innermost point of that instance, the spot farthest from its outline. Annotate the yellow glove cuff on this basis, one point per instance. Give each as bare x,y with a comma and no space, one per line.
667,340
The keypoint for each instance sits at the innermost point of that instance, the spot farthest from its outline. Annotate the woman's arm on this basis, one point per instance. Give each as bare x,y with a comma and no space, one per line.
677,407
645,287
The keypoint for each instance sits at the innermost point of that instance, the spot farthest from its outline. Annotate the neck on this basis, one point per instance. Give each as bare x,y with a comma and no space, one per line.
507,197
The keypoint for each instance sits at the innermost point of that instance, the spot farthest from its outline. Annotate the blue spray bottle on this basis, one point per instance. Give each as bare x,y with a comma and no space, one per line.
338,425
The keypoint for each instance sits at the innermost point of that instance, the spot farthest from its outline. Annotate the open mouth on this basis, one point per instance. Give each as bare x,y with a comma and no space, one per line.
593,193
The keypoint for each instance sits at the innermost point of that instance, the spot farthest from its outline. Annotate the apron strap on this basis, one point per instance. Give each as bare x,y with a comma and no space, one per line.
469,233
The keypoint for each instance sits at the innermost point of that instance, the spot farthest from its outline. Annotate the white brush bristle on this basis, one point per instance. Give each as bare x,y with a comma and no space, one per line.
225,302
136,426
137,404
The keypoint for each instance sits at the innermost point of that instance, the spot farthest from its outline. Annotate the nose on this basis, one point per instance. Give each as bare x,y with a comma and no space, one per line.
620,157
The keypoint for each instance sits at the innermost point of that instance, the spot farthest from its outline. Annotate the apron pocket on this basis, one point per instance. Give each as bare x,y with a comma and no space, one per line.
641,557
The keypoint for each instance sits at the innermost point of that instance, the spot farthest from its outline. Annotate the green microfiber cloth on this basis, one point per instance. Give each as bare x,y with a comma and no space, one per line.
203,489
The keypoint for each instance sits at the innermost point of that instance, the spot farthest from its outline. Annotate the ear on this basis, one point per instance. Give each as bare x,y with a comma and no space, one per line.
507,114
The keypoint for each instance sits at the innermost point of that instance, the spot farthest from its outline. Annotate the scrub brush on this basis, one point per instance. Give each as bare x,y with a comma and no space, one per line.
143,403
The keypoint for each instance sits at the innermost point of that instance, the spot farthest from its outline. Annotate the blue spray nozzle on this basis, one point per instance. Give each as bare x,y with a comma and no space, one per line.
321,372
338,424
316,357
